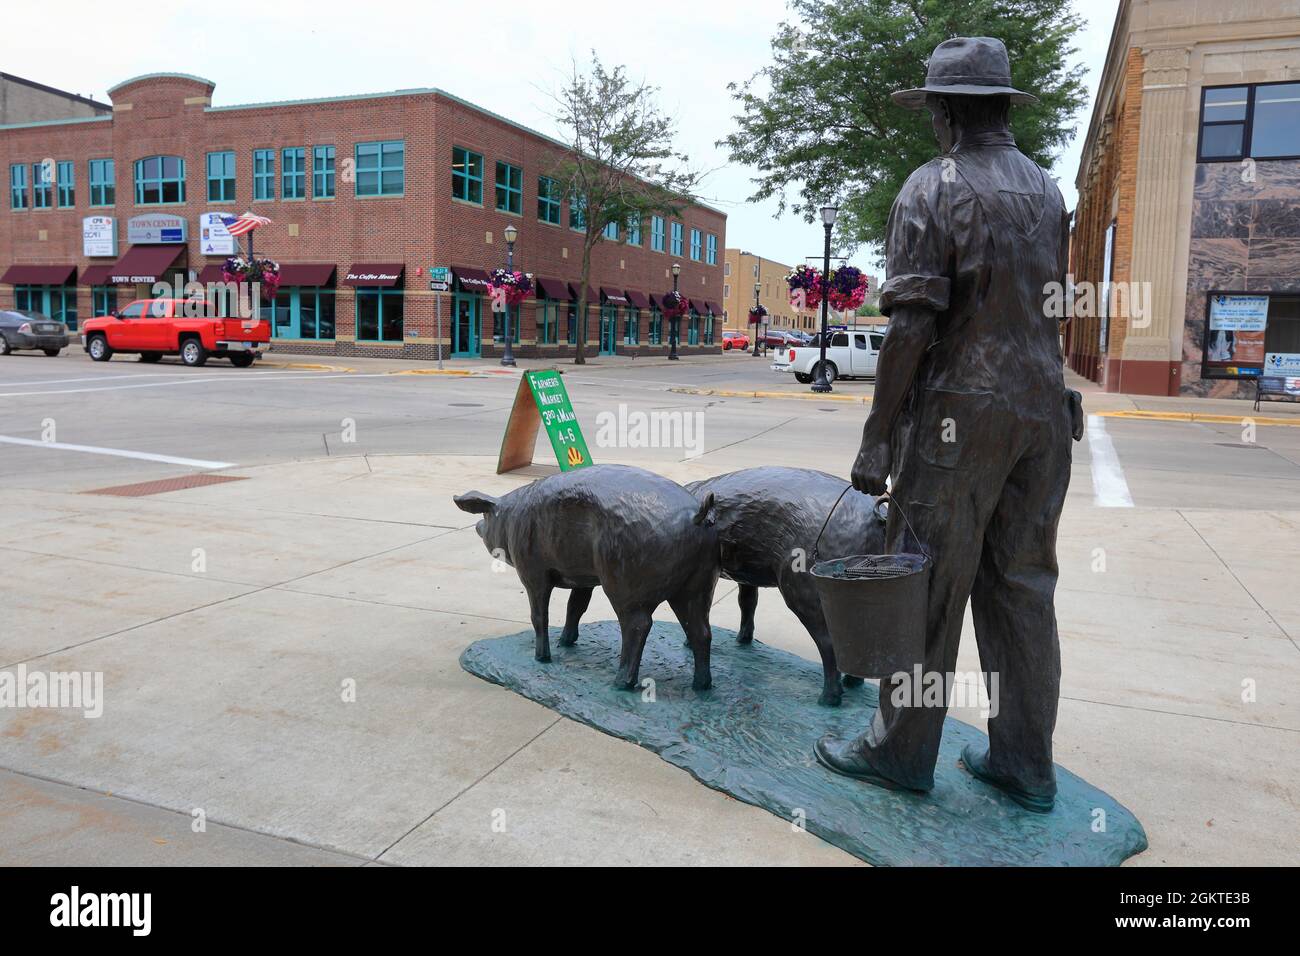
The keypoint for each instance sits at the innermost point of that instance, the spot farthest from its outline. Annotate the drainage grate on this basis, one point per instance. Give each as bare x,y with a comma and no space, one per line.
164,485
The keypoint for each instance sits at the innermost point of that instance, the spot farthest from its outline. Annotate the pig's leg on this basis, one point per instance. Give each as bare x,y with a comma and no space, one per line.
692,610
748,598
635,624
579,598
539,600
802,599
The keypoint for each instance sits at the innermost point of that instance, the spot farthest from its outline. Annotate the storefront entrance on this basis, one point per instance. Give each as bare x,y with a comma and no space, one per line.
465,327
608,329
59,302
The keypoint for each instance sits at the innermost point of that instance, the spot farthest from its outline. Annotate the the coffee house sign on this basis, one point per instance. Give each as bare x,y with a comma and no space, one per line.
155,229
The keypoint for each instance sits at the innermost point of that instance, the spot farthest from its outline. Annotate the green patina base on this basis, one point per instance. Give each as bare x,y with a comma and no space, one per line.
752,735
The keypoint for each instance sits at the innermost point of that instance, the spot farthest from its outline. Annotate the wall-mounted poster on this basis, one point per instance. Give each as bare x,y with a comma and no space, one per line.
1282,363
99,236
1234,345
214,238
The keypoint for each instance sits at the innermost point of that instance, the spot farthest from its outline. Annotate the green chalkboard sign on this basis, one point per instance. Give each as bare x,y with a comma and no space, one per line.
558,418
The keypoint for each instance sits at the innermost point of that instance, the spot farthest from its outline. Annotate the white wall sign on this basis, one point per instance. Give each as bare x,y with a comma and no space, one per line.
1282,363
99,236
1238,313
155,229
214,238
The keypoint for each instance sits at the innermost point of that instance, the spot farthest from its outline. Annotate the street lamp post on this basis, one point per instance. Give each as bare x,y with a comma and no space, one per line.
828,221
758,326
675,322
511,234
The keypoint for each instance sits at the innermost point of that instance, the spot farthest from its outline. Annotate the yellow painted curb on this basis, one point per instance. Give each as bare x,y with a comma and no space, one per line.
433,371
1200,417
801,396
307,366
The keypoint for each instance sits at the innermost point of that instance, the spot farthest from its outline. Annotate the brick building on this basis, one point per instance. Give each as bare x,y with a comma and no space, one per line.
366,194
1189,201
742,272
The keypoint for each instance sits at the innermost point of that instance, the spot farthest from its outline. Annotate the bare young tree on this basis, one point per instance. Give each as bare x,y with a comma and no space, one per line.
620,166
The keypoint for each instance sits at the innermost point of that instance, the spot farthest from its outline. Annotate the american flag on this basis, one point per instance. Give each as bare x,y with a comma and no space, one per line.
238,225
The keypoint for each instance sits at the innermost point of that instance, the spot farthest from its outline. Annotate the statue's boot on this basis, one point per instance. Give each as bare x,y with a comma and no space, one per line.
977,762
848,757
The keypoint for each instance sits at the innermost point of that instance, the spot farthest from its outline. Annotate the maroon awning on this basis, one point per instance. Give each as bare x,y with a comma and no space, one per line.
638,299
654,300
209,273
713,307
593,296
471,280
307,273
96,275
144,264
617,296
38,275
553,288
382,274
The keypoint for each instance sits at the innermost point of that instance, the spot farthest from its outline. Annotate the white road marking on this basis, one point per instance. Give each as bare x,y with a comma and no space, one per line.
243,379
119,453
1109,488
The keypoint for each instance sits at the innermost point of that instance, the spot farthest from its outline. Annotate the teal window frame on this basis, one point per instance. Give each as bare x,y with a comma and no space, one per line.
510,190
655,334
708,329
385,299
548,321
676,243
18,186
293,172
656,233
293,298
711,250
102,178
66,181
221,176
499,325
263,175
611,231
696,245
322,172
631,325
103,300
573,318
693,329
466,175
550,200
634,231
42,187
578,214
59,302
385,160
157,181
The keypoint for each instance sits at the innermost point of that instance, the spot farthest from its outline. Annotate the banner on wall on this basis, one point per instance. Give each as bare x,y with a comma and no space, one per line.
1282,363
1235,335
214,238
99,236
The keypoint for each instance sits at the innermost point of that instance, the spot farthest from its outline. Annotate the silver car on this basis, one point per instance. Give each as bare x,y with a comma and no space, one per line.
31,330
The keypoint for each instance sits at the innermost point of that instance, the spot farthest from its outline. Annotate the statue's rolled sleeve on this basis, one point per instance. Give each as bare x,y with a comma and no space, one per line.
927,292
918,252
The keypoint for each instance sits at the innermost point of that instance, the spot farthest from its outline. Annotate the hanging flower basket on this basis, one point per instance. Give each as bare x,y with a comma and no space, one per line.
675,305
847,288
515,286
245,271
757,314
805,284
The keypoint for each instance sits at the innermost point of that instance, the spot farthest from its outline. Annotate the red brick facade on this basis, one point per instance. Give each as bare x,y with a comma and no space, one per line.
171,115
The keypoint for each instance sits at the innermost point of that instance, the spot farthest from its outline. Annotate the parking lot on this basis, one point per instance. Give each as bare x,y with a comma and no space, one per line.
279,652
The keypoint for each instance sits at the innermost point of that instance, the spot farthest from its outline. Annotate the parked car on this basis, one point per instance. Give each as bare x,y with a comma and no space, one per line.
850,353
734,340
153,328
775,338
31,330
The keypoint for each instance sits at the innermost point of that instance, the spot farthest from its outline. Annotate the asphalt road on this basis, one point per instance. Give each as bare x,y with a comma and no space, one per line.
222,416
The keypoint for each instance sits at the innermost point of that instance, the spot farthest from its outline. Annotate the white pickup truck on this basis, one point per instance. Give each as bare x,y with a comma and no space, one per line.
851,353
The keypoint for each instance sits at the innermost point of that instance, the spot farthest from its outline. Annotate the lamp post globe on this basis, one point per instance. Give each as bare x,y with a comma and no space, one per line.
508,355
829,214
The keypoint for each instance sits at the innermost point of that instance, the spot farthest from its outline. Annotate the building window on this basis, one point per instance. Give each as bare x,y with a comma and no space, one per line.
1250,334
67,184
379,315
159,180
693,330
548,200
708,329
322,174
103,299
103,189
381,168
676,248
548,321
466,175
634,231
264,174
573,323
59,302
611,231
631,325
293,173
656,233
695,244
726,268
42,186
656,330
303,312
578,213
711,251
18,186
1260,121
221,177
510,188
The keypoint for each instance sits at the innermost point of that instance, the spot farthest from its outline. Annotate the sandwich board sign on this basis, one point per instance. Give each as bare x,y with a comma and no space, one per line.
542,402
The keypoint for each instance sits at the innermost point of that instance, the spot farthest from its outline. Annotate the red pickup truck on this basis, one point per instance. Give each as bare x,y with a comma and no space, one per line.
157,327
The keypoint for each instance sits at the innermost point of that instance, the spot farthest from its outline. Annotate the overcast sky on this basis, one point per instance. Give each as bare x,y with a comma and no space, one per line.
505,55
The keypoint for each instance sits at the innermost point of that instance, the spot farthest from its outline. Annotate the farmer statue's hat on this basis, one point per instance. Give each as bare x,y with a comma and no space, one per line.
966,66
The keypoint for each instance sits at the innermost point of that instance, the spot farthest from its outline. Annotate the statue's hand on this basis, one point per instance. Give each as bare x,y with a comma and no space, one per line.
872,466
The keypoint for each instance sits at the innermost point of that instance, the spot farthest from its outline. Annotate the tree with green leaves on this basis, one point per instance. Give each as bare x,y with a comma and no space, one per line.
819,118
620,166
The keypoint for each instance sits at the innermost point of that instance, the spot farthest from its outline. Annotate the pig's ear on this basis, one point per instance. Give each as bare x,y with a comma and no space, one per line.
475,502
707,513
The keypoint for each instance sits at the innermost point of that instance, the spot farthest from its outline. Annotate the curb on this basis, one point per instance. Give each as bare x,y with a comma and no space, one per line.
798,396
1199,417
307,366
432,371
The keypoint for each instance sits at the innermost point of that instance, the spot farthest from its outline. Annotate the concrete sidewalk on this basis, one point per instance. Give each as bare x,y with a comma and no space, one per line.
299,684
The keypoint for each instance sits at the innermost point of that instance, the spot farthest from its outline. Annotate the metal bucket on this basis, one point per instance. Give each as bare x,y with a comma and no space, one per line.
875,607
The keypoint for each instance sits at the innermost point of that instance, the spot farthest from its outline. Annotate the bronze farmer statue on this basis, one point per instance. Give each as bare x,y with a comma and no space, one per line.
972,418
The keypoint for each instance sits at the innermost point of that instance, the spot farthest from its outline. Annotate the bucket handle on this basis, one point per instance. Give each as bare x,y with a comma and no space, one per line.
893,502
